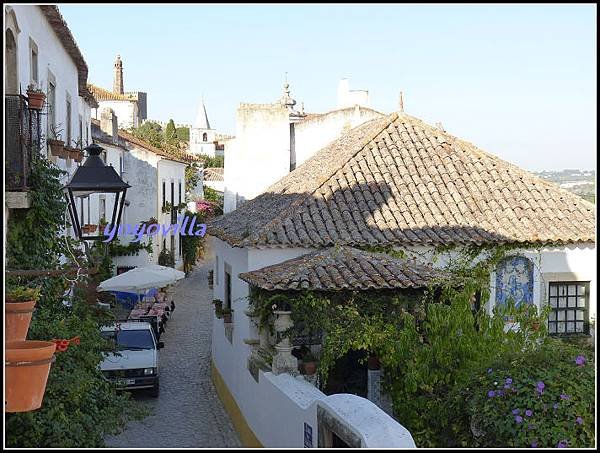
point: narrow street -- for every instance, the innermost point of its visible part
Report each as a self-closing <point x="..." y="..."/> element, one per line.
<point x="188" y="412"/>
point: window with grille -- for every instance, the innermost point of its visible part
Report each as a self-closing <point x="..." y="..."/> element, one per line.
<point x="569" y="303"/>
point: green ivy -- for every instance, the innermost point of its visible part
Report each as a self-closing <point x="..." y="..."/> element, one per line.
<point x="80" y="407"/>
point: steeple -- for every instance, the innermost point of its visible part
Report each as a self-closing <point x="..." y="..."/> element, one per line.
<point x="202" y="117"/>
<point x="118" y="76"/>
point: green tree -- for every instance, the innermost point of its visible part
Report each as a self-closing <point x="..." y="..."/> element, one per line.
<point x="171" y="132"/>
<point x="151" y="132"/>
<point x="183" y="134"/>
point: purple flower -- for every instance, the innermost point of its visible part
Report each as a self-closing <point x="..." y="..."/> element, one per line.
<point x="508" y="381"/>
<point x="534" y="444"/>
<point x="580" y="360"/>
<point x="562" y="444"/>
<point x="515" y="411"/>
<point x="579" y="421"/>
<point x="491" y="394"/>
<point x="499" y="393"/>
<point x="528" y="412"/>
<point x="489" y="370"/>
<point x="539" y="387"/>
<point x="564" y="396"/>
<point x="555" y="406"/>
<point x="518" y="419"/>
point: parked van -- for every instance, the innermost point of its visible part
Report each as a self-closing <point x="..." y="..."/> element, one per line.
<point x="136" y="365"/>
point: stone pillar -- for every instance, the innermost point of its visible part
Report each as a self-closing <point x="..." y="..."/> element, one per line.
<point x="374" y="386"/>
<point x="108" y="124"/>
<point x="283" y="360"/>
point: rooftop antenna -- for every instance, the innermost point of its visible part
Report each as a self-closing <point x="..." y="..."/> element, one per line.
<point x="401" y="102"/>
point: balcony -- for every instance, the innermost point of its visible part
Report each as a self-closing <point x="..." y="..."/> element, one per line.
<point x="22" y="137"/>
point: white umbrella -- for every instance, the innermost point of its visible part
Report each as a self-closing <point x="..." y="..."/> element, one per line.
<point x="142" y="278"/>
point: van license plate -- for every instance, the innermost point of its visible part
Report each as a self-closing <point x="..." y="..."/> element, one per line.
<point x="126" y="381"/>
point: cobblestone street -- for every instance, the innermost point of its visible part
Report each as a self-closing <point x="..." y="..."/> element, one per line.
<point x="188" y="412"/>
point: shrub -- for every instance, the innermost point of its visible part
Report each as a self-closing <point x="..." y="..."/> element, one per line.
<point x="543" y="398"/>
<point x="23" y="294"/>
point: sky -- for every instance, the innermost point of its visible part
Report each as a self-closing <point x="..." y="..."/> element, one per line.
<point x="517" y="81"/>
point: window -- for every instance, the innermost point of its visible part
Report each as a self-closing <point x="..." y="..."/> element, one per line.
<point x="33" y="51"/>
<point x="68" y="122"/>
<point x="120" y="165"/>
<point x="179" y="192"/>
<point x="173" y="209"/>
<point x="164" y="195"/>
<point x="205" y="137"/>
<point x="216" y="273"/>
<point x="51" y="103"/>
<point x="80" y="138"/>
<point x="227" y="289"/>
<point x="569" y="303"/>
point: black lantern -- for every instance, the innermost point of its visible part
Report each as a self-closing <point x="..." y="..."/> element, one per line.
<point x="94" y="176"/>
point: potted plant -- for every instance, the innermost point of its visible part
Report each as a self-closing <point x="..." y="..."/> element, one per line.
<point x="227" y="312"/>
<point x="56" y="144"/>
<point x="218" y="303"/>
<point x="309" y="364"/>
<point x="36" y="97"/>
<point x="18" y="310"/>
<point x="102" y="224"/>
<point x="89" y="228"/>
<point x="26" y="367"/>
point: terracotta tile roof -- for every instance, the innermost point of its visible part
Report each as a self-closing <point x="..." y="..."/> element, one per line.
<point x="399" y="181"/>
<point x="214" y="174"/>
<point x="342" y="268"/>
<point x="104" y="95"/>
<point x="59" y="25"/>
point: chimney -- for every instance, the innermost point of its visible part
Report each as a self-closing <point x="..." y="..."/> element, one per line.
<point x="108" y="124"/>
<point x="118" y="76"/>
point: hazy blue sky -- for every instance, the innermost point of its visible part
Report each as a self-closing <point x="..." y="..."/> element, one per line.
<point x="518" y="81"/>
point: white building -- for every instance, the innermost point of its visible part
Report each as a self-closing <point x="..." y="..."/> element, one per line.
<point x="272" y="139"/>
<point x="130" y="107"/>
<point x="155" y="178"/>
<point x="203" y="139"/>
<point x="393" y="181"/>
<point x="41" y="51"/>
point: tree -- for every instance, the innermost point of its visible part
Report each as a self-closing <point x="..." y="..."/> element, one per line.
<point x="170" y="132"/>
<point x="152" y="132"/>
<point x="183" y="134"/>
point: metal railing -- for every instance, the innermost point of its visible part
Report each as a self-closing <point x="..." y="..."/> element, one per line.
<point x="22" y="137"/>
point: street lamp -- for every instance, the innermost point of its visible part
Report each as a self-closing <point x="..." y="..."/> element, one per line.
<point x="94" y="176"/>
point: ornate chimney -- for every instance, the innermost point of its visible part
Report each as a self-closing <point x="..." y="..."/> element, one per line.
<point x="118" y="76"/>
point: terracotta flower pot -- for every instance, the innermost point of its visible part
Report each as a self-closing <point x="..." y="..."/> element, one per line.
<point x="17" y="316"/>
<point x="89" y="228"/>
<point x="310" y="368"/>
<point x="27" y="365"/>
<point x="227" y="318"/>
<point x="57" y="148"/>
<point x="36" y="100"/>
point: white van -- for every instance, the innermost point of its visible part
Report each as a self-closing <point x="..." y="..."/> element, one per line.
<point x="136" y="366"/>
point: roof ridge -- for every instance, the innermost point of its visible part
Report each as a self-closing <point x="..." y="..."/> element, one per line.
<point x="323" y="179"/>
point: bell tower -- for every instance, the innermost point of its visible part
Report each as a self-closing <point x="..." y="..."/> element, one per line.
<point x="118" y="76"/>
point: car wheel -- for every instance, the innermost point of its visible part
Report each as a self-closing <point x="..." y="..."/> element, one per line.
<point x="154" y="391"/>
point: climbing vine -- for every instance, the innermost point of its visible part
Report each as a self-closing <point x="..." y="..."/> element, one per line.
<point x="80" y="407"/>
<point x="428" y="341"/>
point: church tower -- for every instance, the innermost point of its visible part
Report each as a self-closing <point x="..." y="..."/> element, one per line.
<point x="118" y="76"/>
<point x="202" y="137"/>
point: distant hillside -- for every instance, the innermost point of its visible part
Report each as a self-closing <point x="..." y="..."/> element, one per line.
<point x="579" y="182"/>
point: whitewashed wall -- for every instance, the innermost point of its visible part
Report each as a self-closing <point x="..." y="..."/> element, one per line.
<point x="316" y="132"/>
<point x="126" y="112"/>
<point x="277" y="407"/>
<point x="260" y="153"/>
<point x="52" y="59"/>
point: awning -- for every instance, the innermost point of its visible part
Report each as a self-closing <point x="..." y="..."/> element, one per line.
<point x="142" y="278"/>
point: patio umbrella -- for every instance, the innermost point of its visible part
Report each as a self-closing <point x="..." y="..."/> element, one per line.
<point x="142" y="278"/>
